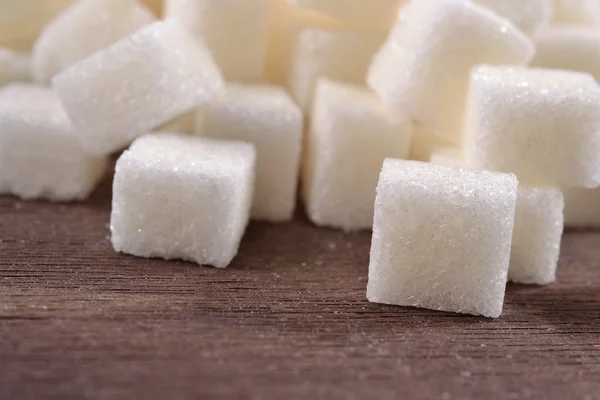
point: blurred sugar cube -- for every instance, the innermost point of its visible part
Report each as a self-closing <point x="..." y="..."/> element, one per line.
<point x="14" y="66"/>
<point x="378" y="14"/>
<point x="137" y="84"/>
<point x="236" y="32"/>
<point x="40" y="156"/>
<point x="351" y="133"/>
<point x="267" y="117"/>
<point x="424" y="66"/>
<point x="542" y="125"/>
<point x="530" y="15"/>
<point x="83" y="29"/>
<point x="340" y="55"/>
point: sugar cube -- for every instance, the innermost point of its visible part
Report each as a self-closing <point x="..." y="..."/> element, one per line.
<point x="182" y="197"/>
<point x="286" y="24"/>
<point x="236" y="31"/>
<point x="359" y="13"/>
<point x="341" y="55"/>
<point x="424" y="65"/>
<point x="137" y="84"/>
<point x="530" y="16"/>
<point x="448" y="156"/>
<point x="569" y="47"/>
<point x="576" y="12"/>
<point x="14" y="66"/>
<point x="267" y="117"/>
<point x="582" y="208"/>
<point x="542" y="125"/>
<point x="40" y="156"/>
<point x="22" y="20"/>
<point x="424" y="142"/>
<point x="537" y="235"/>
<point x="351" y="133"/>
<point x="83" y="29"/>
<point x="441" y="237"/>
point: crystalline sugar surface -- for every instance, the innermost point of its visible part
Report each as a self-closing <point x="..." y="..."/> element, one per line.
<point x="351" y="134"/>
<point x="574" y="48"/>
<point x="137" y="84"/>
<point x="267" y="117"/>
<point x="40" y="156"/>
<point x="182" y="197"/>
<point x="441" y="237"/>
<point x="424" y="65"/>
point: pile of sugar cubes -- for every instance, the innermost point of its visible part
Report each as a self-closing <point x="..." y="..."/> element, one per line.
<point x="464" y="133"/>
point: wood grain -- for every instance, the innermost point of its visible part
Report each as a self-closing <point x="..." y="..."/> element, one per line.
<point x="288" y="319"/>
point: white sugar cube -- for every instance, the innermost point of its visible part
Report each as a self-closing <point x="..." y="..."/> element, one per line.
<point x="14" y="66"/>
<point x="577" y="12"/>
<point x="351" y="133"/>
<point x="40" y="156"/>
<point x="341" y="55"/>
<point x="542" y="125"/>
<point x="182" y="197"/>
<point x="537" y="235"/>
<point x="530" y="15"/>
<point x="137" y="84"/>
<point x="286" y="24"/>
<point x="83" y="29"/>
<point x="359" y="13"/>
<point x="424" y="66"/>
<point x="424" y="142"/>
<point x="441" y="237"/>
<point x="267" y="117"/>
<point x="570" y="47"/>
<point x="236" y="31"/>
<point x="582" y="208"/>
<point x="22" y="20"/>
<point x="448" y="156"/>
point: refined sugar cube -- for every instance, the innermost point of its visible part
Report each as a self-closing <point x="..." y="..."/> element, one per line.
<point x="360" y="13"/>
<point x="448" y="156"/>
<point x="40" y="156"/>
<point x="267" y="117"/>
<point x="341" y="55"/>
<point x="530" y="15"/>
<point x="22" y="20"/>
<point x="14" y="66"/>
<point x="83" y="29"/>
<point x="286" y="24"/>
<point x="351" y="133"/>
<point x="182" y="197"/>
<point x="574" y="48"/>
<point x="582" y="207"/>
<point x="441" y="237"/>
<point x="576" y="12"/>
<point x="537" y="235"/>
<point x="236" y="31"/>
<point x="542" y="125"/>
<point x="424" y="142"/>
<point x="137" y="84"/>
<point x="424" y="65"/>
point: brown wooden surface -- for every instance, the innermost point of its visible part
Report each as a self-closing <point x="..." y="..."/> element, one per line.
<point x="288" y="319"/>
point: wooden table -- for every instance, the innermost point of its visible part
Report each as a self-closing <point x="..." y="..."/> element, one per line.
<point x="288" y="319"/>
